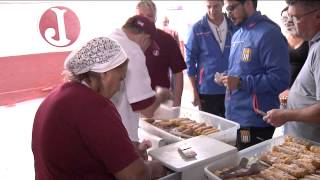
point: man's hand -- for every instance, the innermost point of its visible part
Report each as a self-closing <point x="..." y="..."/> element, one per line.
<point x="157" y="170"/>
<point x="218" y="78"/>
<point x="142" y="148"/>
<point x="231" y="82"/>
<point x="275" y="117"/>
<point x="196" y="100"/>
<point x="163" y="94"/>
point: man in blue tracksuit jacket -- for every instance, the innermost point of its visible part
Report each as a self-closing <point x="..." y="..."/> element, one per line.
<point x="258" y="71"/>
<point x="207" y="52"/>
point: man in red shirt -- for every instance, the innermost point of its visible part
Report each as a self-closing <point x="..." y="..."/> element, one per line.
<point x="167" y="57"/>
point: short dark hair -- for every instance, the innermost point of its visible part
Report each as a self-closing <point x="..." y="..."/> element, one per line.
<point x="284" y="10"/>
<point x="139" y="24"/>
<point x="255" y="3"/>
<point x="306" y="3"/>
<point x="133" y="28"/>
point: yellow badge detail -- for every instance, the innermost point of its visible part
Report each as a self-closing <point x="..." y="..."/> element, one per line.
<point x="246" y="54"/>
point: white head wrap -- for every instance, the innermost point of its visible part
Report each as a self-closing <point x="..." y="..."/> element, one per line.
<point x="98" y="55"/>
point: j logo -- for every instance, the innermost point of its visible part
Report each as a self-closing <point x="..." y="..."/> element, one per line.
<point x="59" y="26"/>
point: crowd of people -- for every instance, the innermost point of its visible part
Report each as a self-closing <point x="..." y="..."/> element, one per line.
<point x="240" y="65"/>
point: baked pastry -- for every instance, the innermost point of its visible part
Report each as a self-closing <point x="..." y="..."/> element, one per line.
<point x="298" y="141"/>
<point x="305" y="164"/>
<point x="291" y="169"/>
<point x="284" y="150"/>
<point x="275" y="157"/>
<point x="149" y="120"/>
<point x="274" y="173"/>
<point x="295" y="145"/>
<point x="315" y="149"/>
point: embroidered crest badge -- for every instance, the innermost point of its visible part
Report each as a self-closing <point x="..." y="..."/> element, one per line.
<point x="155" y="52"/>
<point x="246" y="54"/>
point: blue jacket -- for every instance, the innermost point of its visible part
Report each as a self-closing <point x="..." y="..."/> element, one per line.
<point x="259" y="56"/>
<point x="204" y="57"/>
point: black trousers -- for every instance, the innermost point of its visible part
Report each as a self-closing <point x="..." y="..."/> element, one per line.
<point x="247" y="137"/>
<point x="213" y="104"/>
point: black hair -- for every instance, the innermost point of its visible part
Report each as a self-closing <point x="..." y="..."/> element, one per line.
<point x="284" y="10"/>
<point x="132" y="28"/>
<point x="306" y="3"/>
<point x="255" y="3"/>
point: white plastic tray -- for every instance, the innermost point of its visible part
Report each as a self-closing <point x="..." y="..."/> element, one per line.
<point x="251" y="152"/>
<point x="173" y="176"/>
<point x="207" y="150"/>
<point x="227" y="133"/>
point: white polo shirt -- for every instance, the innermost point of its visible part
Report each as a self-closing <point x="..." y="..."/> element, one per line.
<point x="220" y="32"/>
<point x="136" y="87"/>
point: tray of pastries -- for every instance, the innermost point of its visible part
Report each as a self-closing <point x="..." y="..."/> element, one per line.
<point x="176" y="124"/>
<point x="183" y="127"/>
<point x="283" y="158"/>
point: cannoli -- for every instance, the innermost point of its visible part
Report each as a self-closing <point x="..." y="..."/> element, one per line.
<point x="295" y="145"/>
<point x="198" y="125"/>
<point x="181" y="128"/>
<point x="311" y="177"/>
<point x="284" y="150"/>
<point x="315" y="149"/>
<point x="268" y="174"/>
<point x="187" y="131"/>
<point x="163" y="123"/>
<point x="210" y="132"/>
<point x="200" y="129"/>
<point x="291" y="169"/>
<point x="149" y="120"/>
<point x="277" y="174"/>
<point x="315" y="161"/>
<point x="298" y="141"/>
<point x="305" y="164"/>
<point x="275" y="157"/>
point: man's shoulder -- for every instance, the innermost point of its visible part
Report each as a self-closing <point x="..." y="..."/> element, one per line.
<point x="161" y="33"/>
<point x="200" y="23"/>
<point x="127" y="44"/>
<point x="163" y="37"/>
<point x="263" y="29"/>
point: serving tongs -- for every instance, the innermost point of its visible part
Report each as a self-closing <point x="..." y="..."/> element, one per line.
<point x="180" y="134"/>
<point x="242" y="169"/>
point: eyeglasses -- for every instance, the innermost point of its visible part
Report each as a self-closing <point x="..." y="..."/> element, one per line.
<point x="231" y="8"/>
<point x="297" y="19"/>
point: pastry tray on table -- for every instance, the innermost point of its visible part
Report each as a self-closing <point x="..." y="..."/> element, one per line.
<point x="227" y="129"/>
<point x="252" y="154"/>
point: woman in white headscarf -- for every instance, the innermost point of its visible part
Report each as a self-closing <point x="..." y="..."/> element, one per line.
<point x="77" y="131"/>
